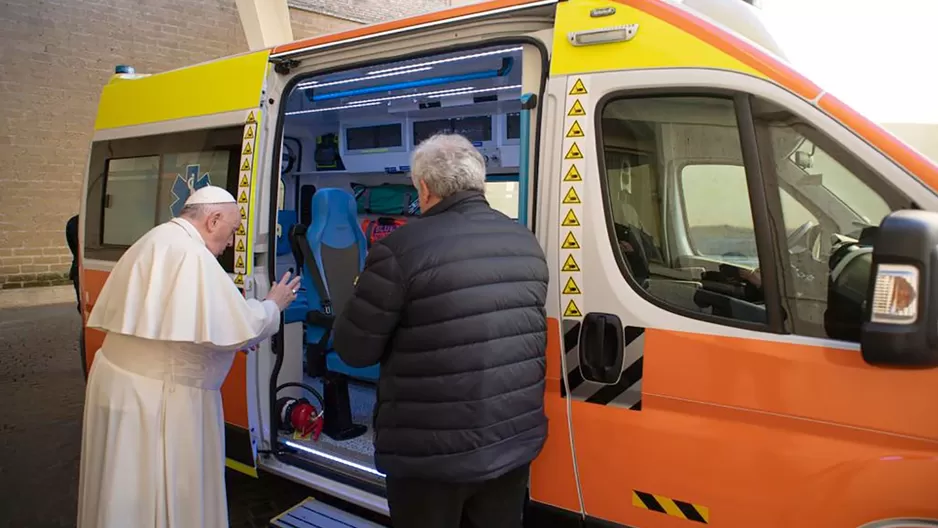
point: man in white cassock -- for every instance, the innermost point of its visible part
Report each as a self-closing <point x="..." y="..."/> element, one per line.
<point x="152" y="451"/>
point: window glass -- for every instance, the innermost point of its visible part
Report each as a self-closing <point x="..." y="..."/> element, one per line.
<point x="503" y="196"/>
<point x="202" y="168"/>
<point x="513" y="125"/>
<point x="679" y="204"/>
<point x="129" y="209"/>
<point x="475" y="128"/>
<point x="373" y="137"/>
<point x="727" y="233"/>
<point x="137" y="183"/>
<point x="425" y="129"/>
<point x="828" y="198"/>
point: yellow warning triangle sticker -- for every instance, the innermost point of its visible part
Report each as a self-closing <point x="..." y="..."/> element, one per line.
<point x="240" y="246"/>
<point x="570" y="242"/>
<point x="240" y="263"/>
<point x="571" y="197"/>
<point x="243" y="214"/>
<point x="241" y="230"/>
<point x="246" y="165"/>
<point x="247" y="149"/>
<point x="251" y="119"/>
<point x="573" y="175"/>
<point x="574" y="152"/>
<point x="570" y="265"/>
<point x="578" y="88"/>
<point x="572" y="310"/>
<point x="575" y="130"/>
<point x="577" y="109"/>
<point x="249" y="132"/>
<point x="570" y="220"/>
<point x="244" y="181"/>
<point x="243" y="198"/>
<point x="239" y="279"/>
<point x="571" y="288"/>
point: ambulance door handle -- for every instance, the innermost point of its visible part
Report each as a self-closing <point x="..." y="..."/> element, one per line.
<point x="602" y="348"/>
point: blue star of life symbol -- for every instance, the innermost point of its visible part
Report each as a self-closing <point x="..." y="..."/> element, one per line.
<point x="186" y="185"/>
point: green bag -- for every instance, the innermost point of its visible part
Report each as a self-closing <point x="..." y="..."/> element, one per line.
<point x="386" y="199"/>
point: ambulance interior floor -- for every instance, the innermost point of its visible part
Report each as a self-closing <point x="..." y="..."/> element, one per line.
<point x="359" y="450"/>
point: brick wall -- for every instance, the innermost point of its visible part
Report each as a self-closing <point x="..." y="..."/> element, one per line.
<point x="309" y="24"/>
<point x="370" y="11"/>
<point x="55" y="57"/>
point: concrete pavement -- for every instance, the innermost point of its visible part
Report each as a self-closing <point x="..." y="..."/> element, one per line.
<point x="41" y="399"/>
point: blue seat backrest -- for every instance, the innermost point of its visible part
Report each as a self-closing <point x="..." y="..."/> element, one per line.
<point x="286" y="219"/>
<point x="338" y="247"/>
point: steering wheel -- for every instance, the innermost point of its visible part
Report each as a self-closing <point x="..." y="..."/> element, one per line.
<point x="804" y="239"/>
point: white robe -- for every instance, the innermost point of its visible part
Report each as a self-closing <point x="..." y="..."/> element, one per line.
<point x="152" y="452"/>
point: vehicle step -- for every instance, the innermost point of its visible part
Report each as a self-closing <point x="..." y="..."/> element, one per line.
<point x="314" y="514"/>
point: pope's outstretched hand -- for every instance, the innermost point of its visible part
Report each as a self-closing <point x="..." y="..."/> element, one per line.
<point x="284" y="292"/>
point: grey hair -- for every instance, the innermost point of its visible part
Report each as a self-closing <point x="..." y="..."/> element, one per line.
<point x="199" y="211"/>
<point x="448" y="164"/>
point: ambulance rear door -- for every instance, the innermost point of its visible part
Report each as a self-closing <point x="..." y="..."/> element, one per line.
<point x="153" y="134"/>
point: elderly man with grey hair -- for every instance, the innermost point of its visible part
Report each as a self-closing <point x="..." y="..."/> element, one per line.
<point x="452" y="307"/>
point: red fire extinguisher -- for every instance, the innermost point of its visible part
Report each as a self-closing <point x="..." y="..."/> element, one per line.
<point x="299" y="415"/>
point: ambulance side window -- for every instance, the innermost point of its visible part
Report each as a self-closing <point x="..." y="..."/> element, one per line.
<point x="138" y="183"/>
<point x="677" y="203"/>
<point x="822" y="200"/>
<point x="129" y="207"/>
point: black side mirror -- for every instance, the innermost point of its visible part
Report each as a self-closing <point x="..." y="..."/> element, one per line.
<point x="901" y="318"/>
<point x="602" y="348"/>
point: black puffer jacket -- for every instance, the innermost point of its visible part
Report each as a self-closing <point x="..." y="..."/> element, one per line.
<point x="452" y="306"/>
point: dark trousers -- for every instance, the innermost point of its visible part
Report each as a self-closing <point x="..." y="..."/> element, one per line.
<point x="497" y="503"/>
<point x="77" y="293"/>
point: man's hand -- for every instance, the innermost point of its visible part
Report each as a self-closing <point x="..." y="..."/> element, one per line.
<point x="754" y="277"/>
<point x="284" y="292"/>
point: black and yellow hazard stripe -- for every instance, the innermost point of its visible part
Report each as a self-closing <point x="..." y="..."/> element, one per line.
<point x="625" y="393"/>
<point x="239" y="450"/>
<point x="571" y="337"/>
<point x="672" y="507"/>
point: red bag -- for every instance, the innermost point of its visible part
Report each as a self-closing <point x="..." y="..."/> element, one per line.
<point x="375" y="230"/>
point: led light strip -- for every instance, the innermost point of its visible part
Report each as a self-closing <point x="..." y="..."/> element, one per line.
<point x="314" y="110"/>
<point x="317" y="84"/>
<point x="449" y="60"/>
<point x="334" y="458"/>
<point x="436" y="94"/>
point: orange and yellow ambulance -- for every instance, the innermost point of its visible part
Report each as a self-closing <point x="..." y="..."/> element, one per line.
<point x="743" y="318"/>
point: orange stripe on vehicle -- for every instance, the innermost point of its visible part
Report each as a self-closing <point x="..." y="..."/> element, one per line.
<point x="428" y="18"/>
<point x="552" y="478"/>
<point x="830" y="385"/>
<point x="908" y="158"/>
<point x="234" y="393"/>
<point x="730" y="44"/>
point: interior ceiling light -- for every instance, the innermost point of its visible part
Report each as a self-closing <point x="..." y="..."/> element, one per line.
<point x="445" y="61"/>
<point x="433" y="95"/>
<point x="317" y="84"/>
<point x="314" y="110"/>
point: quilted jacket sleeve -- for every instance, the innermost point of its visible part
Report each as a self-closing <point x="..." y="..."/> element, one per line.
<point x="370" y="317"/>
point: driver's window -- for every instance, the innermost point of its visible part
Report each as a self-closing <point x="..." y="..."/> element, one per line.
<point x="726" y="233"/>
<point x="827" y="198"/>
<point x="679" y="207"/>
